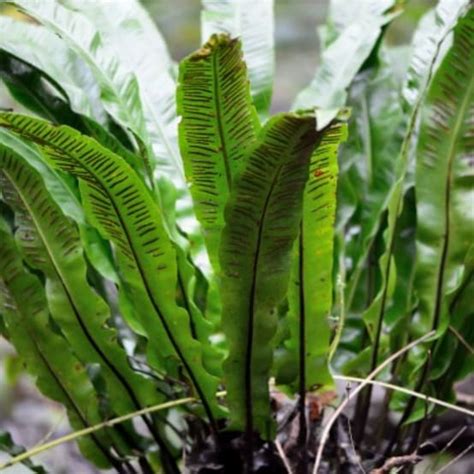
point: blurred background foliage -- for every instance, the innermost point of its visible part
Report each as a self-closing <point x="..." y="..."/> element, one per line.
<point x="296" y="34"/>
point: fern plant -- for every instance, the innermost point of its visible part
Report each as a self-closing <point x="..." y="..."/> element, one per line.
<point x="163" y="237"/>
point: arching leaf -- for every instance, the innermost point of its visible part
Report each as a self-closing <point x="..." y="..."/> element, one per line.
<point x="130" y="31"/>
<point x="127" y="88"/>
<point x="422" y="65"/>
<point x="252" y="22"/>
<point x="46" y="52"/>
<point x="118" y="86"/>
<point x="262" y="220"/>
<point x="139" y="94"/>
<point x="120" y="206"/>
<point x="444" y="163"/>
<point x="218" y="124"/>
<point x="59" y="374"/>
<point x="51" y="244"/>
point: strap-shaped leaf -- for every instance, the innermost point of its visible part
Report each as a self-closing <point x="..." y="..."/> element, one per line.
<point x="129" y="31"/>
<point x="118" y="86"/>
<point x="310" y="291"/>
<point x="343" y="58"/>
<point x="262" y="221"/>
<point x="218" y="123"/>
<point x="141" y="105"/>
<point x="51" y="244"/>
<point x="253" y="22"/>
<point x="376" y="134"/>
<point x="60" y="375"/>
<point x="422" y="65"/>
<point x="423" y="71"/>
<point x="46" y="52"/>
<point x="120" y="206"/>
<point x="433" y="29"/>
<point x="138" y="93"/>
<point x="63" y="191"/>
<point x="445" y="217"/>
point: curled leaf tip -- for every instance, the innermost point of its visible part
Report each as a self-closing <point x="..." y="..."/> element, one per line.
<point x="214" y="42"/>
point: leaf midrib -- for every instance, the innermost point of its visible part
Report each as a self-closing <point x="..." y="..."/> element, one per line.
<point x="63" y="281"/>
<point x="251" y="309"/>
<point x="93" y="64"/>
<point x="64" y="390"/>
<point x="447" y="199"/>
<point x="149" y="293"/>
<point x="155" y="304"/>
<point x="253" y="288"/>
<point x="220" y="128"/>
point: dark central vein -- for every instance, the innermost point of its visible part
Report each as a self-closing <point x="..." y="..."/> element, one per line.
<point x="220" y="129"/>
<point x="447" y="202"/>
<point x="95" y="346"/>
<point x="251" y="310"/>
<point x="150" y="293"/>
